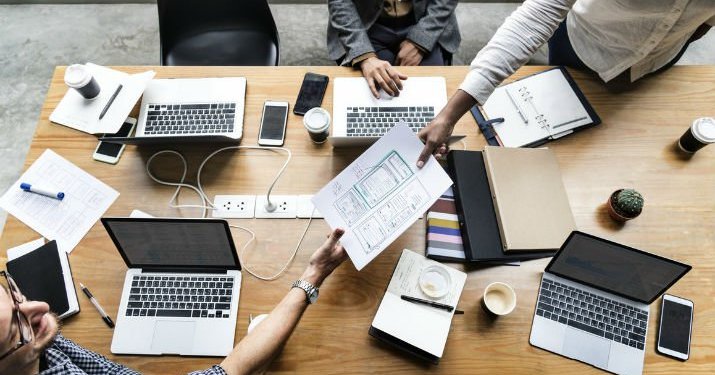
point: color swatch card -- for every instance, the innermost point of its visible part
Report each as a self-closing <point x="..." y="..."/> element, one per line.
<point x="444" y="239"/>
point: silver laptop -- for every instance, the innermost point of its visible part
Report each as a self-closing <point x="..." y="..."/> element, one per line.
<point x="593" y="303"/>
<point x="190" y="110"/>
<point x="181" y="291"/>
<point x="360" y="119"/>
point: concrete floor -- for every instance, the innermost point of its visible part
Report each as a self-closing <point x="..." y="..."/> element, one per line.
<point x="36" y="38"/>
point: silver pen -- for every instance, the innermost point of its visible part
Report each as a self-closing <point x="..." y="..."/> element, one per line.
<point x="518" y="109"/>
<point x="97" y="306"/>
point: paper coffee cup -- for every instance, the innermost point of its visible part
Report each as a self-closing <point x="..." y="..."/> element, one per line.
<point x="700" y="134"/>
<point x="78" y="77"/>
<point x="317" y="123"/>
<point x="499" y="299"/>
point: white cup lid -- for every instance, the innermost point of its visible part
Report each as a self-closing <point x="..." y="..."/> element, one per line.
<point x="316" y="119"/>
<point x="704" y="129"/>
<point x="77" y="75"/>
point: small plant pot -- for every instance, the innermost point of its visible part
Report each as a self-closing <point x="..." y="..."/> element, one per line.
<point x="613" y="212"/>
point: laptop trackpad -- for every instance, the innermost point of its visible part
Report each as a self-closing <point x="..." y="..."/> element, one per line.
<point x="173" y="337"/>
<point x="586" y="347"/>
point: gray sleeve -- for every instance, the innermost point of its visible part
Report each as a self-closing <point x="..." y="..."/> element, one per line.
<point x="517" y="39"/>
<point x="429" y="28"/>
<point x="344" y="18"/>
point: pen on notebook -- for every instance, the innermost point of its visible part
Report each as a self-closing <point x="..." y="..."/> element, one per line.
<point x="111" y="100"/>
<point x="97" y="306"/>
<point x="428" y="303"/>
<point x="42" y="191"/>
<point x="518" y="109"/>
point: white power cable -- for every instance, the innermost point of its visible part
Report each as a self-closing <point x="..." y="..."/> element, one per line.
<point x="206" y="203"/>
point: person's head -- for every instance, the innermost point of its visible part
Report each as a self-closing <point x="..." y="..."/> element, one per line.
<point x="26" y="328"/>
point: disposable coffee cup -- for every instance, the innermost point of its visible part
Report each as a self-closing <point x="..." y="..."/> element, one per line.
<point x="498" y="299"/>
<point x="700" y="134"/>
<point x="317" y="123"/>
<point x="78" y="77"/>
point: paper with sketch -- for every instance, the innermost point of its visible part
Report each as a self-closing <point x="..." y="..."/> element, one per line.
<point x="419" y="325"/>
<point x="76" y="112"/>
<point x="68" y="220"/>
<point x="381" y="194"/>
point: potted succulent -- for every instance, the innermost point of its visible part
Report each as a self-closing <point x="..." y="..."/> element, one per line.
<point x="625" y="204"/>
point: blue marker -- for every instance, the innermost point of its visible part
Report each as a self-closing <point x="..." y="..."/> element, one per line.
<point x="38" y="190"/>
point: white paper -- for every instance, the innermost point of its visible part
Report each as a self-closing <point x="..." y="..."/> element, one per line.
<point x="422" y="326"/>
<point x="67" y="221"/>
<point x="545" y="100"/>
<point x="78" y="113"/>
<point x="381" y="194"/>
<point x="26" y="248"/>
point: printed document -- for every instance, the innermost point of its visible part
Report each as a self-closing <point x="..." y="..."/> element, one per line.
<point x="381" y="194"/>
<point x="67" y="221"/>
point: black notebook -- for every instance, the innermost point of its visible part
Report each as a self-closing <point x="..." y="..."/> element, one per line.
<point x="42" y="275"/>
<point x="534" y="110"/>
<point x="475" y="209"/>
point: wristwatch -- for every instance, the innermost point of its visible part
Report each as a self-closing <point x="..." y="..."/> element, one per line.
<point x="311" y="292"/>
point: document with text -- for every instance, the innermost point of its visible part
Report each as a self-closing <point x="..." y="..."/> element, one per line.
<point x="381" y="194"/>
<point x="68" y="220"/>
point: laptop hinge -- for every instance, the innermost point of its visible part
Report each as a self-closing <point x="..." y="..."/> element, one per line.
<point x="184" y="270"/>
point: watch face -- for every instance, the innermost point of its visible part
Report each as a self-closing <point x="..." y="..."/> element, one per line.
<point x="313" y="296"/>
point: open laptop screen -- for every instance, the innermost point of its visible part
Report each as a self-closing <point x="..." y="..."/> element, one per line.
<point x="615" y="268"/>
<point x="175" y="243"/>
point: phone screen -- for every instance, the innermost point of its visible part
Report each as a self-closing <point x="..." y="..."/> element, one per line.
<point x="311" y="93"/>
<point x="113" y="149"/>
<point x="273" y="124"/>
<point x="675" y="326"/>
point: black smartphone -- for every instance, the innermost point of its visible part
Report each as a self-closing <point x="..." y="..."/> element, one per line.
<point x="676" y="326"/>
<point x="109" y="152"/>
<point x="311" y="93"/>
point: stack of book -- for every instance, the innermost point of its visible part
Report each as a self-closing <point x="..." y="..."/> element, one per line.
<point x="510" y="204"/>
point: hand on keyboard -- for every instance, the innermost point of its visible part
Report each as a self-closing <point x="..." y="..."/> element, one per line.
<point x="380" y="74"/>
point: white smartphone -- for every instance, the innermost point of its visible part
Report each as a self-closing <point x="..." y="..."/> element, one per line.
<point x="676" y="326"/>
<point x="110" y="152"/>
<point x="273" y="123"/>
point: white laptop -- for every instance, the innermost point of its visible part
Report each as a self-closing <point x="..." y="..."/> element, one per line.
<point x="360" y="119"/>
<point x="593" y="303"/>
<point x="181" y="291"/>
<point x="190" y="110"/>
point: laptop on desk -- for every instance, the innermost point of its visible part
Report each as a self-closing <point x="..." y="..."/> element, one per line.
<point x="181" y="291"/>
<point x="190" y="110"/>
<point x="360" y="119"/>
<point x="593" y="303"/>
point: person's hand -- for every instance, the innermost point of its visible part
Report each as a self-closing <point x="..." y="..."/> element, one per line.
<point x="409" y="54"/>
<point x="434" y="136"/>
<point x="326" y="259"/>
<point x="380" y="74"/>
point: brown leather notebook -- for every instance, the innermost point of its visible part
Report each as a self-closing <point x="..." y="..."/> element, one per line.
<point x="530" y="201"/>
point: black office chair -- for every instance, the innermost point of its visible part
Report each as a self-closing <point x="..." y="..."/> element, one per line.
<point x="217" y="32"/>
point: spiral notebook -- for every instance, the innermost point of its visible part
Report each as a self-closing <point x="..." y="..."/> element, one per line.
<point x="535" y="109"/>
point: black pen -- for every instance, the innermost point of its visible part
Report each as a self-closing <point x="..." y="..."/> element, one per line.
<point x="428" y="303"/>
<point x="111" y="100"/>
<point x="97" y="306"/>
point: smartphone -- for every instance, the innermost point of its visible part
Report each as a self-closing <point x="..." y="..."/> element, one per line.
<point x="273" y="123"/>
<point x="676" y="326"/>
<point x="311" y="93"/>
<point x="110" y="152"/>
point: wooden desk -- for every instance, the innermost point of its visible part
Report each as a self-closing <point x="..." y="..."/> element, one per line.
<point x="632" y="148"/>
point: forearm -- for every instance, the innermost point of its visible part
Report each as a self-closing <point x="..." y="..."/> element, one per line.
<point x="255" y="351"/>
<point x="429" y="28"/>
<point x="516" y="40"/>
<point x="456" y="107"/>
<point x="345" y="20"/>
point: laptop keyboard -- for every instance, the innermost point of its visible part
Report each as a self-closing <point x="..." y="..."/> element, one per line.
<point x="199" y="118"/>
<point x="181" y="296"/>
<point x="376" y="121"/>
<point x="592" y="313"/>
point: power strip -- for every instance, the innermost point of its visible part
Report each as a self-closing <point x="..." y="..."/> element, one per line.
<point x="252" y="206"/>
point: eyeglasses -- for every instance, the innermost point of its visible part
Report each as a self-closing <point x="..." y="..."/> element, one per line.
<point x="19" y="319"/>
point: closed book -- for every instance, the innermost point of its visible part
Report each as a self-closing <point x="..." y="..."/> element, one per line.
<point x="475" y="209"/>
<point x="42" y="275"/>
<point x="530" y="201"/>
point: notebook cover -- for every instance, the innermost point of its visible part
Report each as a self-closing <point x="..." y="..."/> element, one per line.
<point x="40" y="278"/>
<point x="444" y="239"/>
<point x="530" y="201"/>
<point x="478" y="222"/>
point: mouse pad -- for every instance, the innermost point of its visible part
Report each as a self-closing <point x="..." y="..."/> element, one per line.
<point x="171" y="337"/>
